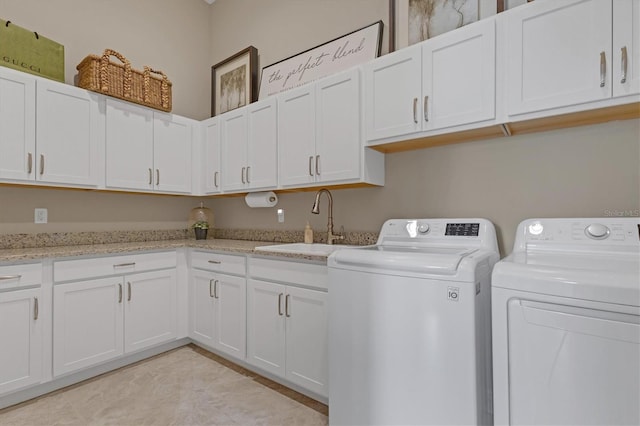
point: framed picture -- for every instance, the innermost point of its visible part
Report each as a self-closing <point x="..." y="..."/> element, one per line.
<point x="234" y="81"/>
<point x="333" y="56"/>
<point x="419" y="20"/>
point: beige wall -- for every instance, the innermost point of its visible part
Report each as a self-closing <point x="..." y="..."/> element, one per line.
<point x="171" y="35"/>
<point x="574" y="172"/>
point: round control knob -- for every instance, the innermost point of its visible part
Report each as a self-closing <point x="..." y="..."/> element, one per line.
<point x="423" y="228"/>
<point x="597" y="231"/>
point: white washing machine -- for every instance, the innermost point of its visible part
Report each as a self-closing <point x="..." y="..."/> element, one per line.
<point x="566" y="324"/>
<point x="410" y="325"/>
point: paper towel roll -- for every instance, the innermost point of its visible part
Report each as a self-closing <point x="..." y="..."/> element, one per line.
<point x="261" y="199"/>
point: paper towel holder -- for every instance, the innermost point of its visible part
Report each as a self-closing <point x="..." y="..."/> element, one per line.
<point x="261" y="199"/>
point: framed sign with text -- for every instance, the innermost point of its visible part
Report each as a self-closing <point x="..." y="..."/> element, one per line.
<point x="336" y="55"/>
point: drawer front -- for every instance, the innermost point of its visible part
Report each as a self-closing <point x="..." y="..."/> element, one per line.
<point x="17" y="276"/>
<point x="306" y="274"/>
<point x="227" y="263"/>
<point x="68" y="270"/>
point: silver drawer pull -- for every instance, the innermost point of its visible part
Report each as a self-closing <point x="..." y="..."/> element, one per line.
<point x="426" y="108"/>
<point x="41" y="164"/>
<point x="10" y="277"/>
<point x="215" y="179"/>
<point x="242" y="174"/>
<point x="415" y="110"/>
<point x="280" y="304"/>
<point x="624" y="64"/>
<point x="119" y="293"/>
<point x="36" y="309"/>
<point x="122" y="265"/>
<point x="215" y="262"/>
<point x="247" y="174"/>
<point x="157" y="177"/>
<point x="310" y="165"/>
<point x="318" y="165"/>
<point x="215" y="289"/>
<point x="29" y="163"/>
<point x="129" y="288"/>
<point x="286" y="305"/>
<point x="150" y="177"/>
<point x="211" y="288"/>
<point x="603" y="68"/>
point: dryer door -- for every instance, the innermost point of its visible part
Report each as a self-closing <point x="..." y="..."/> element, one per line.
<point x="572" y="365"/>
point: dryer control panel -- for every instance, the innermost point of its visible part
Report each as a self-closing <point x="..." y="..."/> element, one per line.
<point x="581" y="231"/>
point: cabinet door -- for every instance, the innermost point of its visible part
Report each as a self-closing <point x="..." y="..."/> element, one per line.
<point x="558" y="54"/>
<point x="459" y="77"/>
<point x="262" y="164"/>
<point x="68" y="134"/>
<point x="307" y="340"/>
<point x="233" y="128"/>
<point x="150" y="309"/>
<point x="338" y="143"/>
<point x="297" y="136"/>
<point x="266" y="326"/>
<point x="17" y="124"/>
<point x="211" y="163"/>
<point x="87" y="323"/>
<point x="21" y="337"/>
<point x="392" y="94"/>
<point x="172" y="153"/>
<point x="203" y="319"/>
<point x="129" y="146"/>
<point x="231" y="319"/>
<point x="626" y="41"/>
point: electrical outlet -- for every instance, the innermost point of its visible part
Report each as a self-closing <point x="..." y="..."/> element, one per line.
<point x="280" y="215"/>
<point x="41" y="216"/>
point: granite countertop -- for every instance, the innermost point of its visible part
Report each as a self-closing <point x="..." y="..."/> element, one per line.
<point x="234" y="246"/>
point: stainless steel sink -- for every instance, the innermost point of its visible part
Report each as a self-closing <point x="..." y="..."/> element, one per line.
<point x="316" y="249"/>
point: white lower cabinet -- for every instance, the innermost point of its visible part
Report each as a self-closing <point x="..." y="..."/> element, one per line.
<point x="287" y="324"/>
<point x="21" y="337"/>
<point x="218" y="302"/>
<point x="100" y="319"/>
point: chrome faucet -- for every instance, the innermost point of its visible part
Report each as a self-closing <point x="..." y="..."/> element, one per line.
<point x="331" y="237"/>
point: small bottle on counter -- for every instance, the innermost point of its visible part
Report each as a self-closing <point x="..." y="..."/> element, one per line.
<point x="308" y="234"/>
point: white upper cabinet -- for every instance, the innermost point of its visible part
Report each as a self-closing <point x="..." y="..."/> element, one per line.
<point x="68" y="133"/>
<point x="626" y="47"/>
<point x="211" y="161"/>
<point x="459" y="77"/>
<point x="18" y="125"/>
<point x="446" y="81"/>
<point x="570" y="53"/>
<point x="320" y="137"/>
<point x="172" y="144"/>
<point x="249" y="147"/>
<point x="147" y="150"/>
<point x="52" y="141"/>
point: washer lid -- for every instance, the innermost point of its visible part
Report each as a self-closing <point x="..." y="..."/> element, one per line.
<point x="610" y="277"/>
<point x="426" y="260"/>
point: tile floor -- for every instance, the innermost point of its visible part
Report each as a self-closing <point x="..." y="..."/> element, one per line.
<point x="185" y="386"/>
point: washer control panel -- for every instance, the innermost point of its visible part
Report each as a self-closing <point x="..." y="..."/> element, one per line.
<point x="617" y="231"/>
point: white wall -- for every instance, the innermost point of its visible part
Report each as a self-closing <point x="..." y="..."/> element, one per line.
<point x="573" y="172"/>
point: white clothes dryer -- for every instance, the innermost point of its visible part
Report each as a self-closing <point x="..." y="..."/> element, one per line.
<point x="566" y="324"/>
<point x="409" y="325"/>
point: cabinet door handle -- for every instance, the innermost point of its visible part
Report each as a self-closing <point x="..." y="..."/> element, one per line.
<point x="10" y="277"/>
<point x="624" y="64"/>
<point x="242" y="174"/>
<point x="247" y="173"/>
<point x="129" y="288"/>
<point x="41" y="164"/>
<point x="286" y="305"/>
<point x="310" y="162"/>
<point x="215" y="262"/>
<point x="415" y="110"/>
<point x="426" y="108"/>
<point x="29" y="163"/>
<point x="280" y="304"/>
<point x="157" y="177"/>
<point x="215" y="179"/>
<point x="122" y="265"/>
<point x="150" y="177"/>
<point x="318" y="165"/>
<point x="119" y="293"/>
<point x="215" y="289"/>
<point x="35" y="308"/>
<point x="603" y="68"/>
<point x="211" y="288"/>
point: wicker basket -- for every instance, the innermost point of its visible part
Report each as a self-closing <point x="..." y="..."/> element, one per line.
<point x="99" y="74"/>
